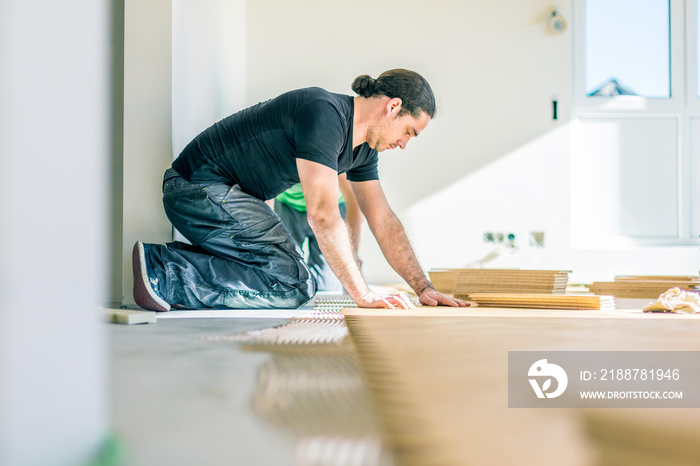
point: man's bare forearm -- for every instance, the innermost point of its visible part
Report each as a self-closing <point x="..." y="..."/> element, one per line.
<point x="334" y="241"/>
<point x="398" y="251"/>
<point x="353" y="215"/>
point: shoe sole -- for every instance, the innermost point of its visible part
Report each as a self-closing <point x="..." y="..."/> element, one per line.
<point x="144" y="295"/>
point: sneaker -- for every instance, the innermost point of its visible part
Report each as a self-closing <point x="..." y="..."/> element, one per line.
<point x="144" y="293"/>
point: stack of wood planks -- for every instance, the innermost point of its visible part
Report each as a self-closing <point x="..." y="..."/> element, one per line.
<point x="466" y="281"/>
<point x="516" y="288"/>
<point x="543" y="301"/>
<point x="444" y="279"/>
<point x="644" y="286"/>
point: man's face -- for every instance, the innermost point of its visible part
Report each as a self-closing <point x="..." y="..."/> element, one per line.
<point x="391" y="131"/>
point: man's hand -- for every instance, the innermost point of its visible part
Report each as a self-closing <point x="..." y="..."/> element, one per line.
<point x="376" y="300"/>
<point x="430" y="297"/>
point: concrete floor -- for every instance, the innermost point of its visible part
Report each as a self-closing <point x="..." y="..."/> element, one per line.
<point x="178" y="399"/>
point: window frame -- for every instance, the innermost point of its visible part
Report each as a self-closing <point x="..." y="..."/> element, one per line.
<point x="683" y="104"/>
<point x="632" y="104"/>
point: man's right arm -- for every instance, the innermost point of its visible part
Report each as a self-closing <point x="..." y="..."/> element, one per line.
<point x="320" y="186"/>
<point x="353" y="216"/>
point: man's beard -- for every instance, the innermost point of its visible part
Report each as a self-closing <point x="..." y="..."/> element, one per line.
<point x="375" y="138"/>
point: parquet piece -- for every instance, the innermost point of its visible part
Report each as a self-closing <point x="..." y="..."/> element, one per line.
<point x="443" y="280"/>
<point x="644" y="286"/>
<point x="130" y="317"/>
<point x="543" y="301"/>
<point x="523" y="281"/>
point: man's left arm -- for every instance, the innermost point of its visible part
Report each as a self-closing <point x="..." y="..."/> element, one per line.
<point x="394" y="243"/>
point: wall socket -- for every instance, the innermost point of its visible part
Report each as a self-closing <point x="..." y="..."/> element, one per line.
<point x="499" y="238"/>
<point x="537" y="239"/>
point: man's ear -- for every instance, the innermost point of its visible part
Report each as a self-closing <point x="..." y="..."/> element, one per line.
<point x="393" y="107"/>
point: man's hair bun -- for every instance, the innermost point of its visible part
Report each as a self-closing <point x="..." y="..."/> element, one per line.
<point x="364" y="85"/>
<point x="413" y="90"/>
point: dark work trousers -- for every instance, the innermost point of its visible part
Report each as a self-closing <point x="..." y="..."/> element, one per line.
<point x="241" y="254"/>
<point x="298" y="225"/>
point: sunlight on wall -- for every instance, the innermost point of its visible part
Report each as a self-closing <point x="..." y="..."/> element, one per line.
<point x="534" y="188"/>
<point x="589" y="223"/>
<point x="517" y="193"/>
<point x="624" y="178"/>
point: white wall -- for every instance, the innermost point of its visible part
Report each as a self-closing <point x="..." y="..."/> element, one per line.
<point x="54" y="153"/>
<point x="208" y="68"/>
<point x="147" y="126"/>
<point x="493" y="159"/>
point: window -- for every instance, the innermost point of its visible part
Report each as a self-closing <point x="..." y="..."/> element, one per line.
<point x="627" y="48"/>
<point x="636" y="123"/>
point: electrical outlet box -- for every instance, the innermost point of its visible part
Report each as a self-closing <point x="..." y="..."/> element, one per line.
<point x="537" y="239"/>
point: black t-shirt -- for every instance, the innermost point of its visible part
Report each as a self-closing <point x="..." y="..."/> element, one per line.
<point x="257" y="148"/>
